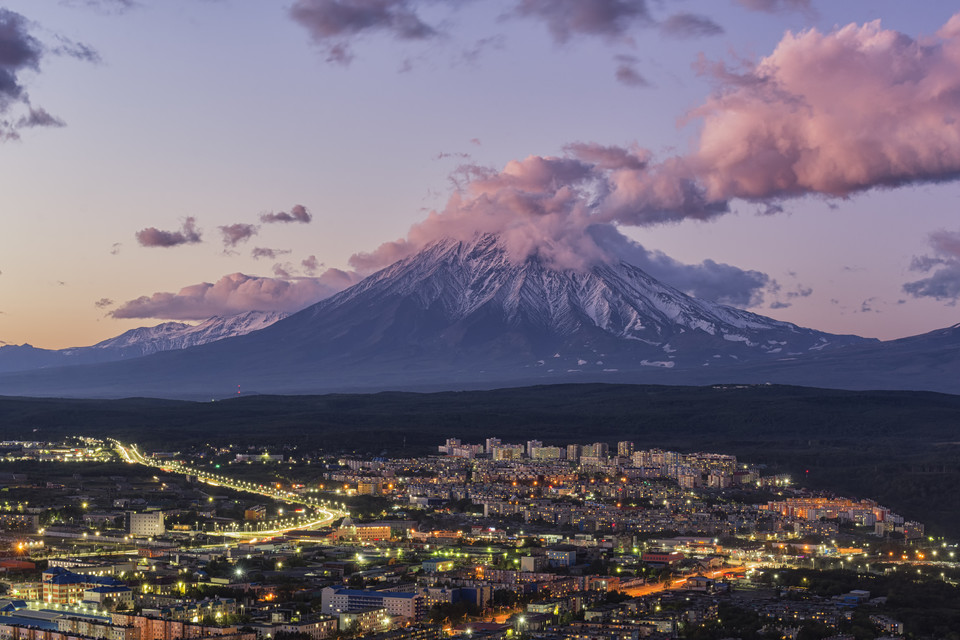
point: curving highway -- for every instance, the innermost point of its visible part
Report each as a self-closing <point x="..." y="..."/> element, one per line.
<point x="320" y="515"/>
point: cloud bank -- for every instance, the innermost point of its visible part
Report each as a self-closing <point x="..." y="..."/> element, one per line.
<point x="836" y="113"/>
<point x="236" y="293"/>
<point x="826" y="114"/>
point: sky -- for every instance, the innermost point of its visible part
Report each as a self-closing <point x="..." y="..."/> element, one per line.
<point x="180" y="159"/>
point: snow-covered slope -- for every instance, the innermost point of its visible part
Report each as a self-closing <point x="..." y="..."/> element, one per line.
<point x="177" y="335"/>
<point x="466" y="283"/>
<point x="138" y="342"/>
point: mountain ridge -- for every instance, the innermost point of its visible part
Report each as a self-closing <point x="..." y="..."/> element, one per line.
<point x="138" y="342"/>
<point x="464" y="315"/>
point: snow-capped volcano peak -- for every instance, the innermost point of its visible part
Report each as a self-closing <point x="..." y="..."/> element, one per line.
<point x="461" y="279"/>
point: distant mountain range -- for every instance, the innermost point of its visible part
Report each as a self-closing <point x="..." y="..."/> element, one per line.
<point x="139" y="342"/>
<point x="463" y="315"/>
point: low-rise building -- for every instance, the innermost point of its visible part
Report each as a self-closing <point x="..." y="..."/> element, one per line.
<point x="336" y="600"/>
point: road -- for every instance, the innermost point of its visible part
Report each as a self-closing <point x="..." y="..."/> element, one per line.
<point x="642" y="590"/>
<point x="320" y="515"/>
<point x="679" y="583"/>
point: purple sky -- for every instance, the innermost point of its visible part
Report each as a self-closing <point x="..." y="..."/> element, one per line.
<point x="187" y="158"/>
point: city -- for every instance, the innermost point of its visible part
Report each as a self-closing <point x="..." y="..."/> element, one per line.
<point x="493" y="540"/>
<point x="479" y="320"/>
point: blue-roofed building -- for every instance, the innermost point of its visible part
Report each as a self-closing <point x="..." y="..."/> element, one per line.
<point x="61" y="586"/>
<point x="7" y="607"/>
<point x="21" y="621"/>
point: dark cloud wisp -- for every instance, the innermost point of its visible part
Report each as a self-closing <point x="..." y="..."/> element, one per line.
<point x="604" y="18"/>
<point x="627" y="72"/>
<point x="297" y="213"/>
<point x="234" y="234"/>
<point x="310" y="265"/>
<point x="38" y="117"/>
<point x="265" y="252"/>
<point x="187" y="234"/>
<point x="102" y="5"/>
<point x="708" y="280"/>
<point x="333" y="23"/>
<point x="690" y="25"/>
<point x="21" y="51"/>
<point x="336" y="25"/>
<point x="774" y="6"/>
<point x="943" y="265"/>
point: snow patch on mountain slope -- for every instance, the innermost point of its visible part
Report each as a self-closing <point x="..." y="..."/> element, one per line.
<point x="178" y="335"/>
<point x="137" y="342"/>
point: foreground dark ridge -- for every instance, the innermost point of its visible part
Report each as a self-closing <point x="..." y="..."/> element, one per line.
<point x="653" y="414"/>
<point x="897" y="447"/>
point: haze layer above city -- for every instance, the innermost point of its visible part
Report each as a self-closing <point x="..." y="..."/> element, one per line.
<point x="180" y="160"/>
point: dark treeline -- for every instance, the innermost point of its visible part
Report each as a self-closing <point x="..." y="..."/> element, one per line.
<point x="898" y="447"/>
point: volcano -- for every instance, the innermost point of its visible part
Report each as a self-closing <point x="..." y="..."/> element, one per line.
<point x="458" y="315"/>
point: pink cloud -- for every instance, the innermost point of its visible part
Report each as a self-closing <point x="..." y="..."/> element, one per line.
<point x="236" y="293"/>
<point x="828" y="114"/>
<point x="834" y="113"/>
<point x="536" y="205"/>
